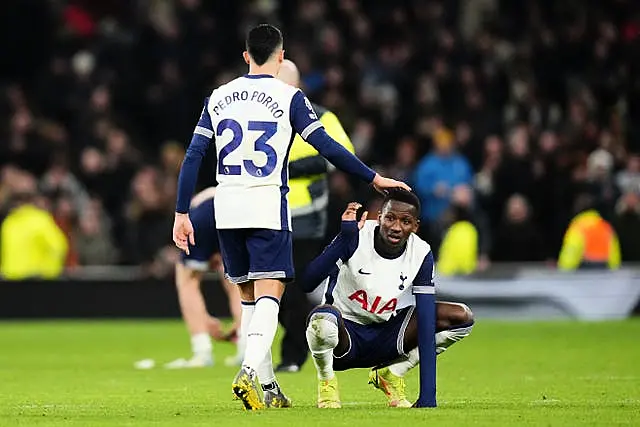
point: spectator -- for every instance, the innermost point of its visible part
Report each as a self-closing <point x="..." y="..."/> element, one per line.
<point x="93" y="239"/>
<point x="516" y="173"/>
<point x="148" y="216"/>
<point x="590" y="241"/>
<point x="600" y="180"/>
<point x="406" y="156"/>
<point x="31" y="244"/>
<point x="458" y="253"/>
<point x="628" y="180"/>
<point x="59" y="180"/>
<point x="463" y="200"/>
<point x="517" y="238"/>
<point x="437" y="174"/>
<point x="485" y="180"/>
<point x="627" y="226"/>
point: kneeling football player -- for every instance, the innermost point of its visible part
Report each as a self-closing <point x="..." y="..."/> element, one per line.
<point x="369" y="319"/>
<point x="189" y="273"/>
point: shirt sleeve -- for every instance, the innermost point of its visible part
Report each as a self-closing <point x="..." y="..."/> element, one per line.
<point x="337" y="252"/>
<point x="423" y="282"/>
<point x="303" y="117"/>
<point x="305" y="122"/>
<point x="202" y="135"/>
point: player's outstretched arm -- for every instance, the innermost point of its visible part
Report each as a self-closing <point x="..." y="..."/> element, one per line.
<point x="424" y="291"/>
<point x="305" y="122"/>
<point x="340" y="249"/>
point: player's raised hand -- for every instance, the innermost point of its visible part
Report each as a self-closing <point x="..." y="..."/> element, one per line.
<point x="183" y="232"/>
<point x="351" y="211"/>
<point x="381" y="184"/>
<point x="351" y="214"/>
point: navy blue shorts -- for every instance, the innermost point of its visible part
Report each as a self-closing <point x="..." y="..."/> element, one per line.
<point x="375" y="344"/>
<point x="256" y="253"/>
<point x="204" y="229"/>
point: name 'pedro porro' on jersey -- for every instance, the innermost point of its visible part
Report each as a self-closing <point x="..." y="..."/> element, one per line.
<point x="251" y="118"/>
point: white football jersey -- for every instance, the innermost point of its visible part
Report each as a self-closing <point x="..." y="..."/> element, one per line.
<point x="253" y="121"/>
<point x="370" y="288"/>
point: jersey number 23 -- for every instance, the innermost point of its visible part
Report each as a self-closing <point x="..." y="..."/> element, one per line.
<point x="266" y="131"/>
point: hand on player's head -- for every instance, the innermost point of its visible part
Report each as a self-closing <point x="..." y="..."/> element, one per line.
<point x="382" y="184"/>
<point x="183" y="232"/>
<point x="351" y="214"/>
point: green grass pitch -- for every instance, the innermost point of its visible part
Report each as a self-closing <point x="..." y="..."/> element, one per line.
<point x="79" y="373"/>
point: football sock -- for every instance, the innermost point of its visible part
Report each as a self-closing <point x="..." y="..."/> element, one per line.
<point x="322" y="337"/>
<point x="448" y="337"/>
<point x="266" y="376"/>
<point x="248" y="308"/>
<point x="201" y="344"/>
<point x="405" y="363"/>
<point x="261" y="332"/>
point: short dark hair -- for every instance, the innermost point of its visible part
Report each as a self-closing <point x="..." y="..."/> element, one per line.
<point x="402" y="195"/>
<point x="262" y="41"/>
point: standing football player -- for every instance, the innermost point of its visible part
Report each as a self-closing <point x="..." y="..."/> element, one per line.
<point x="253" y="120"/>
<point x="189" y="273"/>
<point x="371" y="271"/>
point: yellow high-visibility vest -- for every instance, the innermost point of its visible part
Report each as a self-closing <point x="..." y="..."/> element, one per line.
<point x="589" y="239"/>
<point x="459" y="250"/>
<point x="300" y="199"/>
<point x="31" y="245"/>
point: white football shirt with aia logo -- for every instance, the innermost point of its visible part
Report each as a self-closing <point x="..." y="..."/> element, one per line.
<point x="369" y="288"/>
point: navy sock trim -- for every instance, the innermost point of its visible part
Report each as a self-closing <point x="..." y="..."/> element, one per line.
<point x="277" y="301"/>
<point x="325" y="309"/>
<point x="271" y="386"/>
<point x="248" y="302"/>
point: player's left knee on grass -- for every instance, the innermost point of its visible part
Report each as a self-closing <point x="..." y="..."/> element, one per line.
<point x="322" y="331"/>
<point x="456" y="325"/>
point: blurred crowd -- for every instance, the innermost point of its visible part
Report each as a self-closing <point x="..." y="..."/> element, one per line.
<point x="501" y="113"/>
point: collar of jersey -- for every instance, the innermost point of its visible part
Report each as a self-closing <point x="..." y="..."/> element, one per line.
<point x="258" y="76"/>
<point x="376" y="232"/>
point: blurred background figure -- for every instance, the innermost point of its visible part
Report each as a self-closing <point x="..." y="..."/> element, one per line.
<point x="518" y="239"/>
<point x="627" y="225"/>
<point x="458" y="253"/>
<point x="32" y="246"/>
<point x="590" y="241"/>
<point x="435" y="177"/>
<point x="93" y="238"/>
